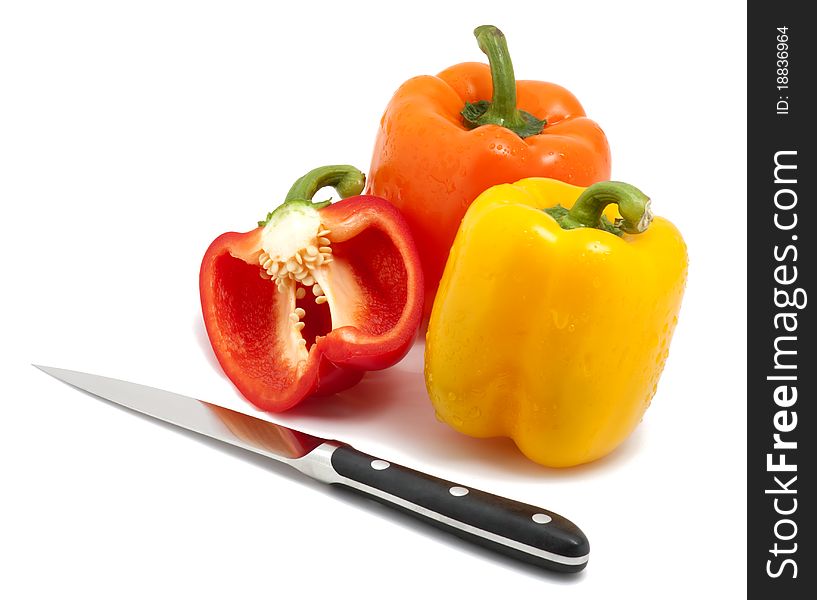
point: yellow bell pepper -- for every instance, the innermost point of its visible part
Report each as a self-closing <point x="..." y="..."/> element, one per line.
<point x="554" y="316"/>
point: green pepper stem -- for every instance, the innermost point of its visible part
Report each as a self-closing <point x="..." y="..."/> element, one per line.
<point x="588" y="210"/>
<point x="501" y="110"/>
<point x="347" y="181"/>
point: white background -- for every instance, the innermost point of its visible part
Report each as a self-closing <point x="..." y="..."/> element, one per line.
<point x="131" y="134"/>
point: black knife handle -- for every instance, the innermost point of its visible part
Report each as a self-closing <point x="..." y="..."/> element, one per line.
<point x="522" y="531"/>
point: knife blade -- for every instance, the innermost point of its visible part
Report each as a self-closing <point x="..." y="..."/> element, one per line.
<point x="522" y="531"/>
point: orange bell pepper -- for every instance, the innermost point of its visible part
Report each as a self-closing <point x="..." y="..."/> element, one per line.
<point x="441" y="144"/>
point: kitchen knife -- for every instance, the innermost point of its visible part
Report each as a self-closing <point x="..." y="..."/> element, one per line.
<point x="522" y="531"/>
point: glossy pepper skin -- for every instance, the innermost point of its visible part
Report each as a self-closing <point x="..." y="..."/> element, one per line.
<point x="554" y="337"/>
<point x="286" y="327"/>
<point x="436" y="151"/>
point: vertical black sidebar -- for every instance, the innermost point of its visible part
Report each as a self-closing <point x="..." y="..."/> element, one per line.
<point x="782" y="437"/>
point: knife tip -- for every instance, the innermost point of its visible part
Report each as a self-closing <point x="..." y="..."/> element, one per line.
<point x="47" y="370"/>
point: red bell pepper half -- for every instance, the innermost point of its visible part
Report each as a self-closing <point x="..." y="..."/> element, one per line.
<point x="315" y="296"/>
